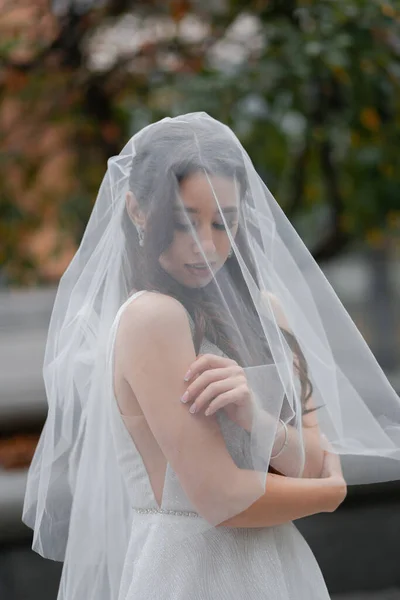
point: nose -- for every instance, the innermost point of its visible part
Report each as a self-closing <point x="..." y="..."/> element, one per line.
<point x="205" y="243"/>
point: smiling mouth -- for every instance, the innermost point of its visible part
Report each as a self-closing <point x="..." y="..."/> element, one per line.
<point x="201" y="265"/>
<point x="200" y="268"/>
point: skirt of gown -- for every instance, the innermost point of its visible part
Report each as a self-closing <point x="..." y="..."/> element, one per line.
<point x="222" y="563"/>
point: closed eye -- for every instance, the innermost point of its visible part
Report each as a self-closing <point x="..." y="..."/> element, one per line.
<point x="221" y="226"/>
<point x="218" y="226"/>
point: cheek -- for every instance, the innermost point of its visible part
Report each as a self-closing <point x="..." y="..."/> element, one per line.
<point x="177" y="249"/>
<point x="225" y="243"/>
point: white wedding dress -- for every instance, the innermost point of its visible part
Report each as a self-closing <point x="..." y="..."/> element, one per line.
<point x="166" y="562"/>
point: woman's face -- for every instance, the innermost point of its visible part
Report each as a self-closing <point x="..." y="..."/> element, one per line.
<point x="200" y="244"/>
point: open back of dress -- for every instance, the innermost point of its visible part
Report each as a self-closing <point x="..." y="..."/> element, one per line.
<point x="135" y="440"/>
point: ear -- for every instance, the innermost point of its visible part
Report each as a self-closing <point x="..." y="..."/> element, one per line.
<point x="135" y="213"/>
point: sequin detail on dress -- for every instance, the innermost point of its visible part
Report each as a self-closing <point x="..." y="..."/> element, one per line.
<point x="164" y="511"/>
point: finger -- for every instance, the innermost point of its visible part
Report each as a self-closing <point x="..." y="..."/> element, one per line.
<point x="326" y="443"/>
<point x="206" y="378"/>
<point x="332" y="463"/>
<point x="210" y="393"/>
<point x="229" y="397"/>
<point x="202" y="380"/>
<point x="208" y="361"/>
<point x="336" y="464"/>
<point x="327" y="465"/>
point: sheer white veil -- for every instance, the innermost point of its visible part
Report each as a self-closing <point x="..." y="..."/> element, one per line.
<point x="269" y="307"/>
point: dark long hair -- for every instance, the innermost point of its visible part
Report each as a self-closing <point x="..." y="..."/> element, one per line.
<point x="166" y="154"/>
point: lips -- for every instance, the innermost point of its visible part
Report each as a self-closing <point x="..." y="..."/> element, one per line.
<point x="200" y="269"/>
<point x="201" y="265"/>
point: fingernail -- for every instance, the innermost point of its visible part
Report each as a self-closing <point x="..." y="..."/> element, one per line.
<point x="208" y="412"/>
<point x="187" y="376"/>
<point x="185" y="397"/>
<point x="192" y="409"/>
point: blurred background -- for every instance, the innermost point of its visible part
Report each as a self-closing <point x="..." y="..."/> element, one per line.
<point x="312" y="89"/>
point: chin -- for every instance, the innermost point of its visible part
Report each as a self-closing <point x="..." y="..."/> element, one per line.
<point x="198" y="285"/>
<point x="189" y="283"/>
<point x="187" y="280"/>
<point x="199" y="281"/>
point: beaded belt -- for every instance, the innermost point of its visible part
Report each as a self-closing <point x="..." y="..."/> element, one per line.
<point x="164" y="511"/>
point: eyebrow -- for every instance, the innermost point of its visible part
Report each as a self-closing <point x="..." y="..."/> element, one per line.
<point x="226" y="210"/>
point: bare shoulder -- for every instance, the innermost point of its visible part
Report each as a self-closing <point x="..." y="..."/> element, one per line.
<point x="277" y="309"/>
<point x="153" y="312"/>
<point x="154" y="330"/>
<point x="271" y="299"/>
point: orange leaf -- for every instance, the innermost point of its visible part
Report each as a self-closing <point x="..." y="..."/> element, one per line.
<point x="388" y="10"/>
<point x="370" y="119"/>
<point x="179" y="9"/>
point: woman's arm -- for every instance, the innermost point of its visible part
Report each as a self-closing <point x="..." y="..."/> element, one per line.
<point x="300" y="457"/>
<point x="155" y="348"/>
<point x="288" y="461"/>
<point x="286" y="499"/>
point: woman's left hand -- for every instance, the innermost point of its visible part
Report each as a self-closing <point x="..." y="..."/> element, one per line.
<point x="218" y="382"/>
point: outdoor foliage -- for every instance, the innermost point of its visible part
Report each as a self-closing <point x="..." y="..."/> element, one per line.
<point x="310" y="87"/>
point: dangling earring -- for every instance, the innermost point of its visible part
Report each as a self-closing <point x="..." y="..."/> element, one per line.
<point x="230" y="253"/>
<point x="140" y="232"/>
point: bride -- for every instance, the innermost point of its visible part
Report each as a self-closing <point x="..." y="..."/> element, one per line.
<point x="198" y="393"/>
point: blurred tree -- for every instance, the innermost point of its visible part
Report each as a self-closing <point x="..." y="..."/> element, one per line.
<point x="310" y="87"/>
